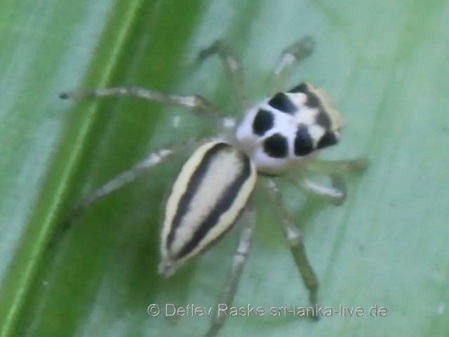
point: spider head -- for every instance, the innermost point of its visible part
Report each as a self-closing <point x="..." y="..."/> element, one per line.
<point x="287" y="128"/>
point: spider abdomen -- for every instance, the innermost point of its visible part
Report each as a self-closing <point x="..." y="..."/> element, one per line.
<point x="206" y="199"/>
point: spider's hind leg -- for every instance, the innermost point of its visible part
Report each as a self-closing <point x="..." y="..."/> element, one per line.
<point x="122" y="179"/>
<point x="197" y="104"/>
<point x="295" y="240"/>
<point x="239" y="260"/>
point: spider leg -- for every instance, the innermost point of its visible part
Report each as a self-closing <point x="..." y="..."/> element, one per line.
<point x="337" y="166"/>
<point x="291" y="55"/>
<point x="198" y="104"/>
<point x="233" y="68"/>
<point x="117" y="182"/>
<point x="294" y="238"/>
<point x="239" y="260"/>
<point x="335" y="194"/>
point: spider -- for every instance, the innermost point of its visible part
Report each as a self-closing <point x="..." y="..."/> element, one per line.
<point x="277" y="138"/>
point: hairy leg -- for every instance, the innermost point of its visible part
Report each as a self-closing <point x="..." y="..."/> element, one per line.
<point x="238" y="264"/>
<point x="233" y="68"/>
<point x="198" y="104"/>
<point x="295" y="240"/>
<point x="290" y="56"/>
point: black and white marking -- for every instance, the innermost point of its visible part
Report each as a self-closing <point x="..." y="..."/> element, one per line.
<point x="287" y="127"/>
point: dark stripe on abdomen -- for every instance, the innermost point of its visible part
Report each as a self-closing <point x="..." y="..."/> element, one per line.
<point x="194" y="183"/>
<point x="224" y="202"/>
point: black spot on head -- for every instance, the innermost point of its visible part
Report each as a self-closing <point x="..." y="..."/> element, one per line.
<point x="262" y="122"/>
<point x="281" y="102"/>
<point x="323" y="120"/>
<point x="302" y="87"/>
<point x="303" y="141"/>
<point x="276" y="146"/>
<point x="312" y="100"/>
<point x="328" y="139"/>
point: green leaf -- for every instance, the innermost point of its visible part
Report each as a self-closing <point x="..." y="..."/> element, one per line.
<point x="384" y="64"/>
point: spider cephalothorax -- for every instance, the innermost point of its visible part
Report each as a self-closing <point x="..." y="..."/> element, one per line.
<point x="284" y="129"/>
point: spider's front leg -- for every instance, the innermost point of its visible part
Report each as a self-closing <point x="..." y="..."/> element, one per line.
<point x="335" y="194"/>
<point x="337" y="166"/>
